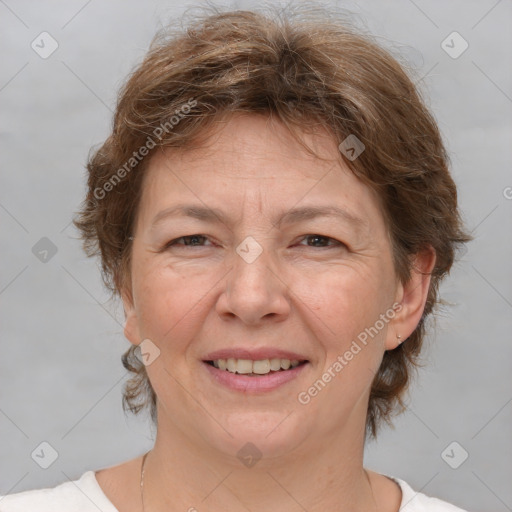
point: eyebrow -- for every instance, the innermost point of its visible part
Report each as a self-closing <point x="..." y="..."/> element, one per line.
<point x="294" y="215"/>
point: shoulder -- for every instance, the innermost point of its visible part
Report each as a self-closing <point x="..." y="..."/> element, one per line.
<point x="413" y="501"/>
<point x="82" y="495"/>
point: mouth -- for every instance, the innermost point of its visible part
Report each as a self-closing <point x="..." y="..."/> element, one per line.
<point x="257" y="368"/>
<point x="254" y="376"/>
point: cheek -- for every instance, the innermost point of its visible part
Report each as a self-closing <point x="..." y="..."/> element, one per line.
<point x="168" y="301"/>
<point x="344" y="301"/>
<point x="346" y="304"/>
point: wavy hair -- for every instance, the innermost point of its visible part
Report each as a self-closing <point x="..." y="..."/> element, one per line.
<point x="304" y="66"/>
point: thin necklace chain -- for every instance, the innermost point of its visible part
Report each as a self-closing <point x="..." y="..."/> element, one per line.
<point x="142" y="479"/>
<point x="142" y="483"/>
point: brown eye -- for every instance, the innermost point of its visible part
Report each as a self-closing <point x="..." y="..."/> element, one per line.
<point x="188" y="241"/>
<point x="321" y="241"/>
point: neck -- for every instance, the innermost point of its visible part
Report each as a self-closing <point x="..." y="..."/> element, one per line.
<point x="183" y="474"/>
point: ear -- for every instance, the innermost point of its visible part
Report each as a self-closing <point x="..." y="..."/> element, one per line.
<point x="412" y="296"/>
<point x="131" y="326"/>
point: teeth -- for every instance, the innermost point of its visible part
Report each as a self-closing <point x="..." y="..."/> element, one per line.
<point x="260" y="367"/>
<point x="275" y="364"/>
<point x="240" y="366"/>
<point x="231" y="365"/>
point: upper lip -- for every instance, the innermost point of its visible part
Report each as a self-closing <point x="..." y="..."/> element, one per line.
<point x="253" y="354"/>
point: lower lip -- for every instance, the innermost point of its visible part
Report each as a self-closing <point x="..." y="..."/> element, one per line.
<point x="240" y="382"/>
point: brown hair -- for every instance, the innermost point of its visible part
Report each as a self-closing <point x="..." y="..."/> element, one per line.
<point x="302" y="66"/>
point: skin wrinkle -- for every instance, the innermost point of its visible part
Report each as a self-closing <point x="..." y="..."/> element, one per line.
<point x="234" y="154"/>
<point x="289" y="297"/>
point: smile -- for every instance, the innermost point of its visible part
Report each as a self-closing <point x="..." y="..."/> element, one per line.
<point x="255" y="368"/>
<point x="254" y="376"/>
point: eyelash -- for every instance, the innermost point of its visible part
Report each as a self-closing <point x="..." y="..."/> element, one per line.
<point x="172" y="243"/>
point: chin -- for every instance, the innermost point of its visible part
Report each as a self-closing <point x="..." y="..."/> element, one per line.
<point x="258" y="434"/>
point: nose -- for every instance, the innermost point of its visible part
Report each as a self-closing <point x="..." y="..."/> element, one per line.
<point x="255" y="292"/>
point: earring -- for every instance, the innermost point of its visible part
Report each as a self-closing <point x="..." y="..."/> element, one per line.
<point x="398" y="337"/>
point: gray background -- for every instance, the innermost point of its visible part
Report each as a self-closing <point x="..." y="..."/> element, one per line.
<point x="61" y="375"/>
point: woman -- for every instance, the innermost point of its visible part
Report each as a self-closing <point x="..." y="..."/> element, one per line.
<point x="275" y="210"/>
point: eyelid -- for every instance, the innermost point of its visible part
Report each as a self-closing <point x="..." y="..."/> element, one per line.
<point x="172" y="242"/>
<point x="330" y="240"/>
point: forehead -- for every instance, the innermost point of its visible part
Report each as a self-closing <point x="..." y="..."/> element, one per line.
<point x="250" y="161"/>
<point x="248" y="145"/>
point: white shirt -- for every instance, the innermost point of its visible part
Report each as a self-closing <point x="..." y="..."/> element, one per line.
<point x="86" y="495"/>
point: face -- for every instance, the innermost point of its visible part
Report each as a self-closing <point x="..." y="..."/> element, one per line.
<point x="254" y="276"/>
